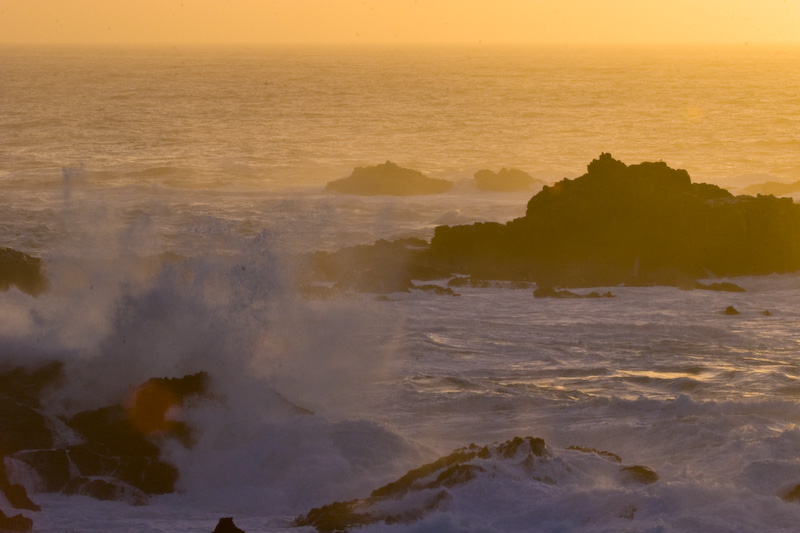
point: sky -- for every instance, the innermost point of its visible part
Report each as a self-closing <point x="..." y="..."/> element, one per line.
<point x="400" y="21"/>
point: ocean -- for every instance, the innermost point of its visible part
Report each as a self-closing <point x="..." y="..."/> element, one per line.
<point x="110" y="157"/>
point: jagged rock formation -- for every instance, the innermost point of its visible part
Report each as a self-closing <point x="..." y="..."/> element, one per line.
<point x="388" y="179"/>
<point x="22" y="271"/>
<point x="117" y="457"/>
<point x="644" y="224"/>
<point x="18" y="522"/>
<point x="639" y="224"/>
<point x="432" y="487"/>
<point x="507" y="180"/>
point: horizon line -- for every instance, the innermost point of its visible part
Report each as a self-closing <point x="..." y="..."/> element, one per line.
<point x="477" y="43"/>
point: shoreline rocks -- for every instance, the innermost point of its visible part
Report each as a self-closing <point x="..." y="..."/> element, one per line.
<point x="435" y="486"/>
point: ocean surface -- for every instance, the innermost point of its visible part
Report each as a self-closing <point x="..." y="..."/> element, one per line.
<point x="112" y="156"/>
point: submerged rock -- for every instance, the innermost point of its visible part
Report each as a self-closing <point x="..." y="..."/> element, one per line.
<point x="435" y="486"/>
<point x="388" y="179"/>
<point x="507" y="180"/>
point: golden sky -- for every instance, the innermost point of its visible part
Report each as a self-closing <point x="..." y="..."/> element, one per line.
<point x="400" y="21"/>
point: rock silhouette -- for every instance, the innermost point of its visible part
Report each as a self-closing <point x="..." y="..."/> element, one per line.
<point x="639" y="225"/>
<point x="388" y="179"/>
<point x="506" y="180"/>
<point x="433" y="487"/>
<point x="118" y="458"/>
<point x="226" y="525"/>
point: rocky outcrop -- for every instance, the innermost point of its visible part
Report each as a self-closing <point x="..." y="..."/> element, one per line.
<point x="388" y="179"/>
<point x="15" y="523"/>
<point x="435" y="486"/>
<point x="507" y="180"/>
<point x="114" y="454"/>
<point x="22" y="271"/>
<point x="226" y="525"/>
<point x="641" y="224"/>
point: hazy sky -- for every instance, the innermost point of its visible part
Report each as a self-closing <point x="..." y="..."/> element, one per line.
<point x="399" y="21"/>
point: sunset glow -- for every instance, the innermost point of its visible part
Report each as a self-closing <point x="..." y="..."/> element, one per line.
<point x="400" y="21"/>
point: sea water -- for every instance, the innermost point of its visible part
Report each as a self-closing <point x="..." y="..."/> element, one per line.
<point x="110" y="157"/>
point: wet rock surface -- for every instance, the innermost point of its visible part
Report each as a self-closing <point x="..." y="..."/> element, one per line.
<point x="433" y="487"/>
<point x="118" y="456"/>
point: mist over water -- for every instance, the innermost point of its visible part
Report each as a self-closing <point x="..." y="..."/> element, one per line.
<point x="168" y="189"/>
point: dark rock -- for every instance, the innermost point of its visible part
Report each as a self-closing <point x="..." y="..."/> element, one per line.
<point x="431" y="487"/>
<point x="405" y="483"/>
<point x="731" y="310"/>
<point x="550" y="292"/>
<point x="436" y="289"/>
<point x="388" y="179"/>
<point x="21" y="270"/>
<point x="52" y="466"/>
<point x="337" y="516"/>
<point x="510" y="448"/>
<point x="22" y="425"/>
<point x="455" y="475"/>
<point x="16" y="523"/>
<point x="792" y="495"/>
<point x="507" y="180"/>
<point x="722" y="287"/>
<point x="16" y="494"/>
<point x="637" y="225"/>
<point x="640" y="474"/>
<point x="766" y="312"/>
<point x="26" y="385"/>
<point x="226" y="525"/>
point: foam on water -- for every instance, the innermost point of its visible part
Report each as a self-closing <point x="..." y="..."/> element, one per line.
<point x="167" y="190"/>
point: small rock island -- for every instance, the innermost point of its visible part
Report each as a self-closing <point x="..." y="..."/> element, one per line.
<point x="636" y="225"/>
<point x="388" y="179"/>
<point x="507" y="180"/>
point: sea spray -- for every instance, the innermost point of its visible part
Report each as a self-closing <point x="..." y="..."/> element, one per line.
<point x="264" y="439"/>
